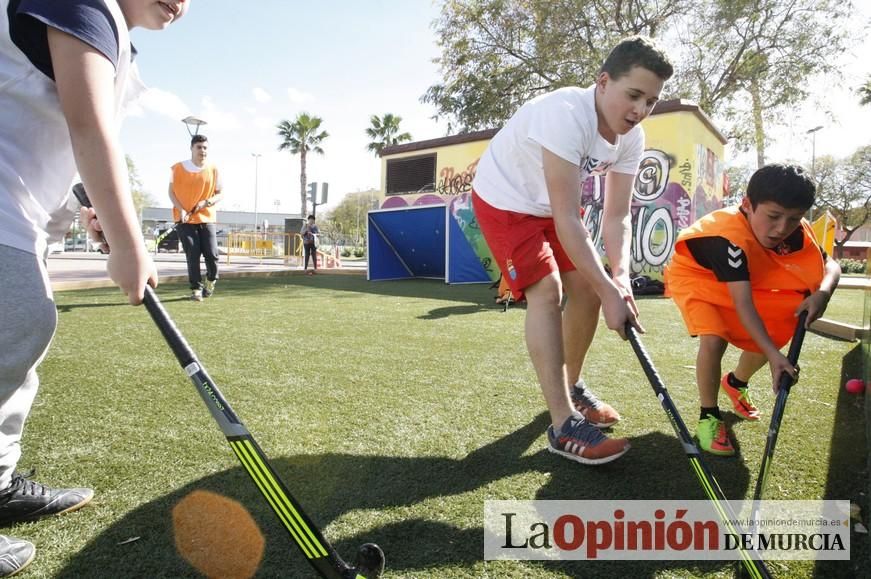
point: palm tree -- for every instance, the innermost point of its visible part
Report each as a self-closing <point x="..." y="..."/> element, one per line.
<point x="300" y="137"/>
<point x="384" y="132"/>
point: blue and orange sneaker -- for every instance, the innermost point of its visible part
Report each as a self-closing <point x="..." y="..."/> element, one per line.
<point x="597" y="413"/>
<point x="713" y="436"/>
<point x="582" y="442"/>
<point x="740" y="398"/>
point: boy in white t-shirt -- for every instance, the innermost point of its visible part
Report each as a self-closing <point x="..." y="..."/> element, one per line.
<point x="66" y="72"/>
<point x="527" y="200"/>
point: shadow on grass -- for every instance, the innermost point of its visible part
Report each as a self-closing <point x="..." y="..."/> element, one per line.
<point x="479" y="296"/>
<point x="66" y="308"/>
<point x="331" y="486"/>
<point x="848" y="467"/>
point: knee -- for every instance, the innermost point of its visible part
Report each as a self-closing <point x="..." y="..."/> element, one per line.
<point x="546" y="293"/>
<point x="712" y="347"/>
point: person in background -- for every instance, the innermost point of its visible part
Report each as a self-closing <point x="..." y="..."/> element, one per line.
<point x="194" y="190"/>
<point x="310" y="234"/>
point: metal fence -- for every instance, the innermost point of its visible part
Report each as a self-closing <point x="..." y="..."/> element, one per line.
<point x="285" y="246"/>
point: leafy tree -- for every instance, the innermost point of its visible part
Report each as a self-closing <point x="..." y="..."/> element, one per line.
<point x="141" y="198"/>
<point x="384" y="132"/>
<point x="749" y="61"/>
<point x="349" y="216"/>
<point x="497" y="54"/>
<point x="738" y="176"/>
<point x="844" y="188"/>
<point x="300" y="137"/>
<point x="865" y="93"/>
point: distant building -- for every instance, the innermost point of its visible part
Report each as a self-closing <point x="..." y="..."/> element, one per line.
<point x="228" y="221"/>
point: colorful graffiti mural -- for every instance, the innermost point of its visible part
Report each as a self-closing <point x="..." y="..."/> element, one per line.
<point x="680" y="179"/>
<point x="453" y="183"/>
<point x="660" y="209"/>
<point x="464" y="215"/>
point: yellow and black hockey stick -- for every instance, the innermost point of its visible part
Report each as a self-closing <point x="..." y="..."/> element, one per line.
<point x="320" y="554"/>
<point x="751" y="561"/>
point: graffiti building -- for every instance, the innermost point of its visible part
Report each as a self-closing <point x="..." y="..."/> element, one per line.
<point x="679" y="180"/>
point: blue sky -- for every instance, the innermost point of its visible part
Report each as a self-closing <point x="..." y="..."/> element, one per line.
<point x="245" y="66"/>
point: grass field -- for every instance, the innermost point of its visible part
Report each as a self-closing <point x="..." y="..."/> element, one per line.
<point x="392" y="410"/>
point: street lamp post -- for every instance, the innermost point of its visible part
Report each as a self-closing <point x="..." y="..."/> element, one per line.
<point x="193" y="122"/>
<point x="256" y="171"/>
<point x="813" y="133"/>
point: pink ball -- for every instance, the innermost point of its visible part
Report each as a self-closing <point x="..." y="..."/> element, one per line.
<point x="855" y="386"/>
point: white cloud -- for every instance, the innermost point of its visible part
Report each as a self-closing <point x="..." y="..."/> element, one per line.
<point x="299" y="97"/>
<point x="217" y="118"/>
<point x="264" y="122"/>
<point x="261" y="96"/>
<point x="161" y="102"/>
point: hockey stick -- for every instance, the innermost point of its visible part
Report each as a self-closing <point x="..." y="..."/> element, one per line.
<point x="165" y="234"/>
<point x="783" y="388"/>
<point x="320" y="553"/>
<point x="750" y="560"/>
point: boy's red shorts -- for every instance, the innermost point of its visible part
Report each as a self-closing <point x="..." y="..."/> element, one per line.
<point x="525" y="247"/>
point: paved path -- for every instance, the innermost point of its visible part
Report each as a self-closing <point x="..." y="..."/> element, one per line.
<point x="78" y="270"/>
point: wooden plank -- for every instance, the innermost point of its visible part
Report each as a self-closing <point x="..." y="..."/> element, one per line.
<point x="837" y="330"/>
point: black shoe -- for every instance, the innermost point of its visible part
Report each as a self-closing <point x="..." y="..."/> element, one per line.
<point x="25" y="500"/>
<point x="15" y="555"/>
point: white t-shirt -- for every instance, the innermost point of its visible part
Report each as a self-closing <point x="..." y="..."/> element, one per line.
<point x="36" y="156"/>
<point x="510" y="174"/>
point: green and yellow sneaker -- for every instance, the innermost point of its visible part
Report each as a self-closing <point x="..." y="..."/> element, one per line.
<point x="713" y="436"/>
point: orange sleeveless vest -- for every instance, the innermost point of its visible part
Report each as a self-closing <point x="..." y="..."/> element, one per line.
<point x="191" y="188"/>
<point x="779" y="283"/>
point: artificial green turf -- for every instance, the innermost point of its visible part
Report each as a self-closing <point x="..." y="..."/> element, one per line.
<point x="392" y="410"/>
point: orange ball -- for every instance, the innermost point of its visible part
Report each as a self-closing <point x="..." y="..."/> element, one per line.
<point x="217" y="535"/>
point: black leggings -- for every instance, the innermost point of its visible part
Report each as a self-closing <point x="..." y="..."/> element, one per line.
<point x="310" y="251"/>
<point x="199" y="240"/>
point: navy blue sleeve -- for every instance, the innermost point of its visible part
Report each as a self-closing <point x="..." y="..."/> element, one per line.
<point x="88" y="20"/>
<point x="727" y="261"/>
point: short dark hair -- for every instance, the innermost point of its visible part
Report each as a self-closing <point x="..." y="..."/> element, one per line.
<point x="637" y="51"/>
<point x="198" y="139"/>
<point x="311" y="216"/>
<point x="787" y="185"/>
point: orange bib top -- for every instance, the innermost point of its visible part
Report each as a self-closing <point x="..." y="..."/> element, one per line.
<point x="779" y="283"/>
<point x="191" y="188"/>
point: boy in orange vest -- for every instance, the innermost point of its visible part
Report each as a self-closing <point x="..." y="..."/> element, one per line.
<point x="741" y="276"/>
<point x="194" y="190"/>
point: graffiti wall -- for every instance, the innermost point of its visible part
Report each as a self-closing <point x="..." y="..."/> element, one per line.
<point x="455" y="169"/>
<point x="680" y="178"/>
